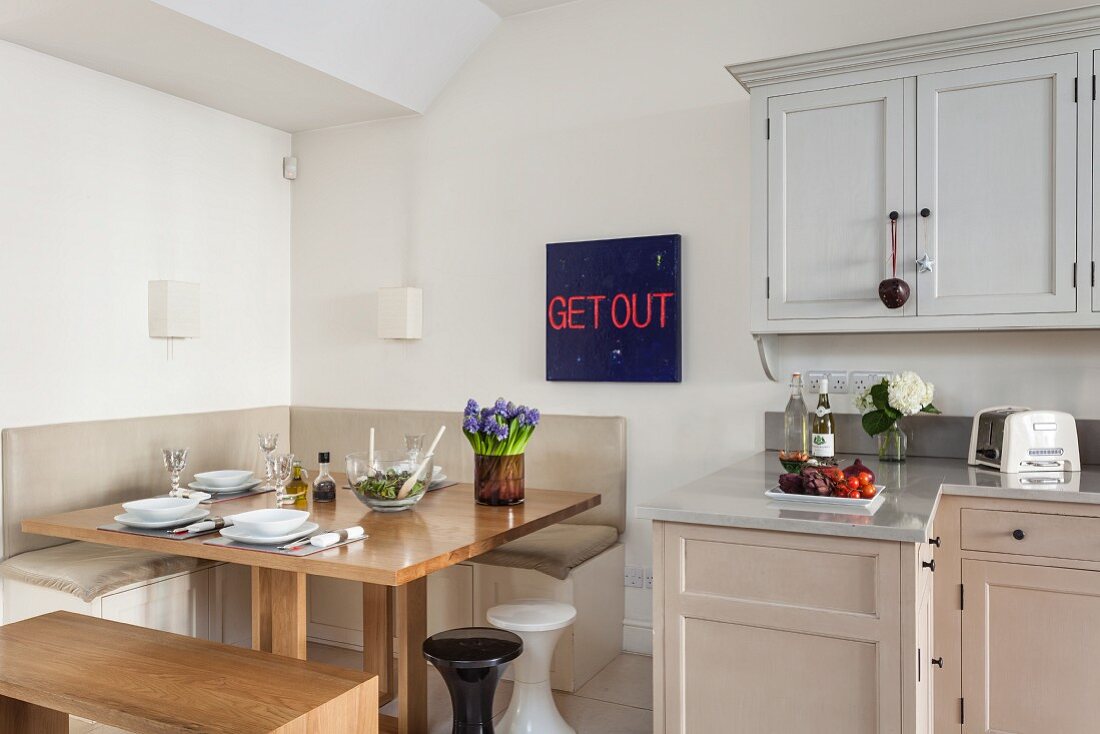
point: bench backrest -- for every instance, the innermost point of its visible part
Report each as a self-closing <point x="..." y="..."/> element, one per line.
<point x="580" y="453"/>
<point x="69" y="466"/>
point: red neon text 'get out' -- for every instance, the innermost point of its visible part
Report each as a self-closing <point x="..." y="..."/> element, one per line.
<point x="621" y="310"/>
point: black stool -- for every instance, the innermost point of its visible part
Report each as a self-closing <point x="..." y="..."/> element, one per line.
<point x="471" y="661"/>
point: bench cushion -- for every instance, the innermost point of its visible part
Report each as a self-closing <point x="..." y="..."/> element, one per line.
<point x="555" y="551"/>
<point x="89" y="570"/>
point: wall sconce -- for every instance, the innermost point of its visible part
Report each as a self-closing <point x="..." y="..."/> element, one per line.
<point x="173" y="311"/>
<point x="400" y="313"/>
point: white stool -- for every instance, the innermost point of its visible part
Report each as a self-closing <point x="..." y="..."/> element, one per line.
<point x="539" y="623"/>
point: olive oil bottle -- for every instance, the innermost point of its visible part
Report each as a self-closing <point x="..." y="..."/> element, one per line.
<point x="297" y="490"/>
<point x="822" y="440"/>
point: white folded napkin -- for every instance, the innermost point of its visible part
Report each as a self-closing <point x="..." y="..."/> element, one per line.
<point x="324" y="540"/>
<point x="213" y="523"/>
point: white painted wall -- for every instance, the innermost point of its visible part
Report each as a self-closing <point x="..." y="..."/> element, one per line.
<point x="106" y="185"/>
<point x="601" y="118"/>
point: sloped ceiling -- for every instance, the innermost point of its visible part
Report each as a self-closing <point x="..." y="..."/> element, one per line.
<point x="505" y="8"/>
<point x="279" y="62"/>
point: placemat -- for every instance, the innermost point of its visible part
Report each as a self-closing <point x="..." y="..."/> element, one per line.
<point x="308" y="550"/>
<point x="117" y="527"/>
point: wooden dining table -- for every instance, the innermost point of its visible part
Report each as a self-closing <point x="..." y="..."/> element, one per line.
<point x="393" y="563"/>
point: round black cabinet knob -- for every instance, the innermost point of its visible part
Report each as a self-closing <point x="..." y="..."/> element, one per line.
<point x="938" y="662"/>
<point x="934" y="541"/>
<point x="926" y="212"/>
<point x="930" y="565"/>
<point x="1018" y="534"/>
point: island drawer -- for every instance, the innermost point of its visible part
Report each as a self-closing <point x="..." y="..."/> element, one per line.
<point x="1031" y="534"/>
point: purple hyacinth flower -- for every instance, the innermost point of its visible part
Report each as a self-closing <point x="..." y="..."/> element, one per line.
<point x="470" y="424"/>
<point x="533" y="416"/>
<point x="500" y="407"/>
<point x="472" y="408"/>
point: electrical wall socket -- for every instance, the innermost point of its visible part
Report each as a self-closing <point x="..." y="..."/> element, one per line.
<point x="649" y="578"/>
<point x="862" y="381"/>
<point x="838" y="380"/>
<point x="634" y="577"/>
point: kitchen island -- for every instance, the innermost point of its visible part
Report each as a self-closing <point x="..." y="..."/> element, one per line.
<point x="774" y="617"/>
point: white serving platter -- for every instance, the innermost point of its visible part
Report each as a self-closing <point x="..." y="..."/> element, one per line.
<point x="776" y="493"/>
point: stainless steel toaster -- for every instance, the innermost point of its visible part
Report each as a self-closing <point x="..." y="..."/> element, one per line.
<point x="1014" y="439"/>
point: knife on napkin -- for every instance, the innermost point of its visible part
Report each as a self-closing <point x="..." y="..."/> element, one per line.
<point x="211" y="523"/>
<point x="324" y="540"/>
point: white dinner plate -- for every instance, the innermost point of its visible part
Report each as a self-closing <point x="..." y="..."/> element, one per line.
<point x="439" y="479"/>
<point x="226" y="490"/>
<point x="234" y="533"/>
<point x="133" y="521"/>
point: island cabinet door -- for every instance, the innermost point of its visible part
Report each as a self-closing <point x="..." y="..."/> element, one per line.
<point x="777" y="632"/>
<point x="1031" y="652"/>
<point x="836" y="167"/>
<point x="997" y="181"/>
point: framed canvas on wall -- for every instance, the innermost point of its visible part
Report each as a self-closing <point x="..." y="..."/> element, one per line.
<point x="613" y="310"/>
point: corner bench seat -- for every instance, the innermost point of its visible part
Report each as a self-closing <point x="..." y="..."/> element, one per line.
<point x="554" y="551"/>
<point x="88" y="570"/>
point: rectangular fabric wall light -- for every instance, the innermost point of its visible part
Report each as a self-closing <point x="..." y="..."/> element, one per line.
<point x="173" y="309"/>
<point x="400" y="313"/>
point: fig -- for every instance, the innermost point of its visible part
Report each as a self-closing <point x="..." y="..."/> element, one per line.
<point x="855" y="469"/>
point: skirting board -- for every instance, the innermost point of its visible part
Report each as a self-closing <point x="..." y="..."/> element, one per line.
<point x="637" y="636"/>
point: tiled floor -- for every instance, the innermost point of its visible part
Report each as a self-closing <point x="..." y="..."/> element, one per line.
<point x="618" y="700"/>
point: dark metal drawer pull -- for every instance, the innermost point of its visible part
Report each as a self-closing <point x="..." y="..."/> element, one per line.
<point x="1018" y="534"/>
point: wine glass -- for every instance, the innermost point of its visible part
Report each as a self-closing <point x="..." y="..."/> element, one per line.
<point x="174" y="461"/>
<point x="414" y="442"/>
<point x="282" y="467"/>
<point x="268" y="443"/>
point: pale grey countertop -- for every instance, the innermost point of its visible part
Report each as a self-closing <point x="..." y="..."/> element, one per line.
<point x="734" y="497"/>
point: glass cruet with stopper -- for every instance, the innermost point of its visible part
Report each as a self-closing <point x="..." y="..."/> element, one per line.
<point x="796" y="446"/>
<point x="324" y="486"/>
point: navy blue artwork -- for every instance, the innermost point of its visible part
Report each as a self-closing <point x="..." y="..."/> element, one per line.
<point x="613" y="310"/>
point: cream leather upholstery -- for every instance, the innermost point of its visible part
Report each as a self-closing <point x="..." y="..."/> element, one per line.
<point x="580" y="453"/>
<point x="57" y="468"/>
<point x="554" y="551"/>
<point x="88" y="570"/>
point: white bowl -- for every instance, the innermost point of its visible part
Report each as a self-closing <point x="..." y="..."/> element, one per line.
<point x="223" y="478"/>
<point x="158" y="509"/>
<point x="268" y="523"/>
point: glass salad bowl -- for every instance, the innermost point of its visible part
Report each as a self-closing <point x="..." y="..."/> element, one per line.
<point x="377" y="484"/>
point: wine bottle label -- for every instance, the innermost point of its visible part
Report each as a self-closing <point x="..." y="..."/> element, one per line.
<point x="822" y="445"/>
<point x="822" y="411"/>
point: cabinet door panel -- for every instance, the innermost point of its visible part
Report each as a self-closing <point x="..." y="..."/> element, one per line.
<point x="1030" y="649"/>
<point x="836" y="170"/>
<point x="996" y="165"/>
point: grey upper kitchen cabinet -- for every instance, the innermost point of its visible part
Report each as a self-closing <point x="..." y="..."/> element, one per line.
<point x="997" y="178"/>
<point x="987" y="131"/>
<point x="835" y="172"/>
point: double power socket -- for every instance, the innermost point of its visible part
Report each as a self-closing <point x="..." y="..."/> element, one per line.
<point x="637" y="577"/>
<point x="843" y="382"/>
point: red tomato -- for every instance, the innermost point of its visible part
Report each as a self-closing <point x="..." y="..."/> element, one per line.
<point x="865" y="478"/>
<point x="869" y="491"/>
<point x="853" y="483"/>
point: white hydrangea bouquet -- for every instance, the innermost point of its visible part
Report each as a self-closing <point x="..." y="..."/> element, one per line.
<point x="897" y="397"/>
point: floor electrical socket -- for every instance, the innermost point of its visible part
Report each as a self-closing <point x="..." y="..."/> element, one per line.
<point x="634" y="577"/>
<point x="838" y="381"/>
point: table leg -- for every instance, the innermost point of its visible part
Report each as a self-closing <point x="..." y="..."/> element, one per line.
<point x="279" y="612"/>
<point x="378" y="638"/>
<point x="16" y="715"/>
<point x="412" y="669"/>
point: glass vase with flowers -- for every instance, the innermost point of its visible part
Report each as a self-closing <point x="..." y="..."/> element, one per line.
<point x="499" y="436"/>
<point x="887" y="402"/>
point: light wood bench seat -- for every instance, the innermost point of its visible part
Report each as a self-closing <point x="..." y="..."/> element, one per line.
<point x="145" y="681"/>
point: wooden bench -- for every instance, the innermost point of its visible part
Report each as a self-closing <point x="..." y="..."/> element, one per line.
<point x="142" y="680"/>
